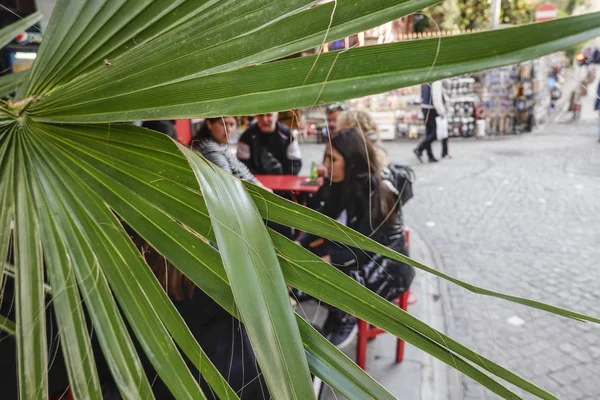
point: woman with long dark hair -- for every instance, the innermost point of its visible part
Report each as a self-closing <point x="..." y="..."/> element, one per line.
<point x="355" y="195"/>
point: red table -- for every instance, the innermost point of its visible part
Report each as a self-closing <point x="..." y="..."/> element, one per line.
<point x="290" y="183"/>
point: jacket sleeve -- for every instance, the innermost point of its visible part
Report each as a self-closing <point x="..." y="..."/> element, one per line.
<point x="341" y="255"/>
<point x="346" y="257"/>
<point x="305" y="239"/>
<point x="244" y="151"/>
<point x="294" y="157"/>
<point x="243" y="171"/>
<point x="437" y="96"/>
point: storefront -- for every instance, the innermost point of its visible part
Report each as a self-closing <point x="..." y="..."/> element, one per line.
<point x="502" y="101"/>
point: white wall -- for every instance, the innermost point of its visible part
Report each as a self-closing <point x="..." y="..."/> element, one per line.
<point x="45" y="7"/>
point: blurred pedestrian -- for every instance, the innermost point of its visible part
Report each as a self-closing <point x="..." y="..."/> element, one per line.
<point x="597" y="108"/>
<point x="432" y="105"/>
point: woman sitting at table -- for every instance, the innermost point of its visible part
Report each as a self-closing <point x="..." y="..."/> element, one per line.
<point x="212" y="141"/>
<point x="355" y="195"/>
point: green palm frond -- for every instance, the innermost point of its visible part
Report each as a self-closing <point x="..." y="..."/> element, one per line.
<point x="70" y="178"/>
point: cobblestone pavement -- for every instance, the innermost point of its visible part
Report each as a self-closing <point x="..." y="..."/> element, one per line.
<point x="519" y="215"/>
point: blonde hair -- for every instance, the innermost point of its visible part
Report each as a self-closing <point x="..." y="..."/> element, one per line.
<point x="361" y="121"/>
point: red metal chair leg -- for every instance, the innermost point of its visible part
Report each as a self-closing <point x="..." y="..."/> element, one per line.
<point x="365" y="331"/>
<point x="361" y="346"/>
<point x="399" y="351"/>
<point x="400" y="343"/>
<point x="404" y="300"/>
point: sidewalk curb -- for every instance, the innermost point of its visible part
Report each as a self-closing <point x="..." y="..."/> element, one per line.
<point x="438" y="380"/>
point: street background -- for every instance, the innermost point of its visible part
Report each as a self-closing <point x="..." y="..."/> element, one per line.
<point x="519" y="215"/>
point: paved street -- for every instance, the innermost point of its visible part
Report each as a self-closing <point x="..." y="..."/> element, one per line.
<point x="519" y="215"/>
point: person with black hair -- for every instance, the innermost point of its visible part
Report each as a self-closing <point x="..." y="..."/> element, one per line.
<point x="212" y="141"/>
<point x="355" y="195"/>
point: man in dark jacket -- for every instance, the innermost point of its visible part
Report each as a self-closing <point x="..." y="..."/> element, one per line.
<point x="267" y="147"/>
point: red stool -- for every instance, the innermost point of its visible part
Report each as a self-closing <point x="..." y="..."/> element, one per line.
<point x="367" y="331"/>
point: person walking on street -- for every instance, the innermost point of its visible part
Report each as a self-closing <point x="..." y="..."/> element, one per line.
<point x="268" y="147"/>
<point x="432" y="105"/>
<point x="597" y="108"/>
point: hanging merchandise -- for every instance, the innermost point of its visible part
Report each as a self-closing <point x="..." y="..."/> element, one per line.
<point x="525" y="100"/>
<point x="411" y="123"/>
<point x="398" y="112"/>
<point x="496" y="88"/>
<point x="509" y="100"/>
<point x="460" y="99"/>
<point x="516" y="98"/>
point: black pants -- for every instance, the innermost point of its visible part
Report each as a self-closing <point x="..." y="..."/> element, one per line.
<point x="444" y="147"/>
<point x="431" y="135"/>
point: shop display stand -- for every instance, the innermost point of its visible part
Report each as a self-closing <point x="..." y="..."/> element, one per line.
<point x="497" y="90"/>
<point x="460" y="99"/>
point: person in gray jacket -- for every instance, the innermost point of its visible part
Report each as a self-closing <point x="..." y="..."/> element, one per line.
<point x="212" y="141"/>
